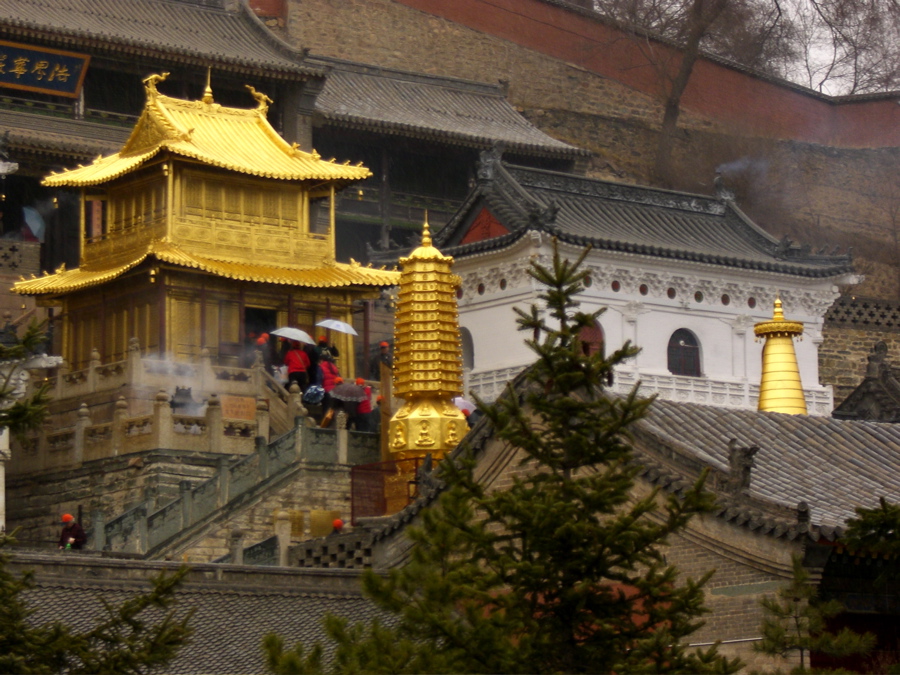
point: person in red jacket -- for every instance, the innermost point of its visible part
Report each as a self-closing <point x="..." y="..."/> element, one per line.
<point x="362" y="419"/>
<point x="72" y="535"/>
<point x="297" y="362"/>
<point x="329" y="372"/>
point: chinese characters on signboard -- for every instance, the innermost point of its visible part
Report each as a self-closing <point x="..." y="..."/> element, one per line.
<point x="40" y="69"/>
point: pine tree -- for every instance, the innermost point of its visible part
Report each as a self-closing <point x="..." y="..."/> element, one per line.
<point x="877" y="530"/>
<point x="795" y="622"/>
<point x="124" y="642"/>
<point x="564" y="570"/>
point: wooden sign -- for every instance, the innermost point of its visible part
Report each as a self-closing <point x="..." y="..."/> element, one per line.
<point x="41" y="69"/>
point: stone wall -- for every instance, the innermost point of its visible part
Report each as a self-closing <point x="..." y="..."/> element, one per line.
<point x="800" y="181"/>
<point x="36" y="502"/>
<point x="313" y="488"/>
<point x="852" y="328"/>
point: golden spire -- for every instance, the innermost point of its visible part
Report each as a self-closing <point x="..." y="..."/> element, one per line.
<point x="780" y="389"/>
<point x="427" y="356"/>
<point x="207" y="92"/>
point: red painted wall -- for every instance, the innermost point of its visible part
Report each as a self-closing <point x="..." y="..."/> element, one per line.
<point x="730" y="96"/>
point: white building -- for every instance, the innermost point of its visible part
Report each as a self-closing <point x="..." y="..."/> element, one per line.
<point x="683" y="276"/>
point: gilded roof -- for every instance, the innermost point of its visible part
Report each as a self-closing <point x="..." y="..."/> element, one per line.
<point x="202" y="32"/>
<point x="336" y="275"/>
<point x="235" y="139"/>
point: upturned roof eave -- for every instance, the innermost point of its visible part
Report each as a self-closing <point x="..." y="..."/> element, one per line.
<point x="506" y="241"/>
<point x="286" y="63"/>
<point x="474" y="141"/>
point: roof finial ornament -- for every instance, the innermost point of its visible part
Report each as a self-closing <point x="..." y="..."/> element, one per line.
<point x="778" y="314"/>
<point x="150" y="83"/>
<point x="207" y="92"/>
<point x="260" y="97"/>
<point x="426" y="234"/>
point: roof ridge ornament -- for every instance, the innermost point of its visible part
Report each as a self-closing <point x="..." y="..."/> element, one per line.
<point x="263" y="100"/>
<point x="207" y="91"/>
<point x="150" y="83"/>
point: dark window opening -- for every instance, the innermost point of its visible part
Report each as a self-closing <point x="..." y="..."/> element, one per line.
<point x="684" y="353"/>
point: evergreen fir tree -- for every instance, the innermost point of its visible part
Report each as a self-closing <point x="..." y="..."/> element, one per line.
<point x="877" y="530"/>
<point x="124" y="642"/>
<point x="795" y="623"/>
<point x="563" y="571"/>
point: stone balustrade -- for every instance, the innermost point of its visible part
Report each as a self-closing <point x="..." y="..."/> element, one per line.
<point x="488" y="385"/>
<point x="211" y="432"/>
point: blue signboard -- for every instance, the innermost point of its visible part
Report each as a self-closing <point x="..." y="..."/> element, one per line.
<point x="41" y="69"/>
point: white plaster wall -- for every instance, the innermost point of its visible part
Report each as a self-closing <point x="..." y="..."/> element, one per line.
<point x="729" y="352"/>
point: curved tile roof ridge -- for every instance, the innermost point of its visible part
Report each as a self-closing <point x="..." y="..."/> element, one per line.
<point x="237" y="36"/>
<point x="453" y="110"/>
<point x="631" y="219"/>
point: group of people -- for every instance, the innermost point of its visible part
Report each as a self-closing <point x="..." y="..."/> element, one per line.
<point x="314" y="370"/>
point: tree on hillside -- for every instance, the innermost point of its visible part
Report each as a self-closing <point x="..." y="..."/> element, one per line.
<point x="755" y="33"/>
<point x="852" y="46"/>
<point x="795" y="623"/>
<point x="561" y="571"/>
<point x="124" y="642"/>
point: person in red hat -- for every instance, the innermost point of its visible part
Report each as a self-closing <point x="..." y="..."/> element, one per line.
<point x="363" y="418"/>
<point x="337" y="525"/>
<point x="72" y="535"/>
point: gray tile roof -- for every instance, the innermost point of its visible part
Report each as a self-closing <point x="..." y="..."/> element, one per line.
<point x="454" y="111"/>
<point x="232" y="614"/>
<point x="197" y="31"/>
<point x="832" y="465"/>
<point x="45" y="132"/>
<point x="633" y="219"/>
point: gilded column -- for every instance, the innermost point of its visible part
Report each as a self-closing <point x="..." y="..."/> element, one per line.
<point x="780" y="389"/>
<point x="427" y="357"/>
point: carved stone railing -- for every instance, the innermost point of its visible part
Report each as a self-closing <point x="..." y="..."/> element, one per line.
<point x="488" y="385"/>
<point x="211" y="432"/>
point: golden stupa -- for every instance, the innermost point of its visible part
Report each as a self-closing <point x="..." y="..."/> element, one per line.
<point x="427" y="357"/>
<point x="780" y="389"/>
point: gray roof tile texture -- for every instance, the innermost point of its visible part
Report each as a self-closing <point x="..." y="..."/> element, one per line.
<point x="629" y="218"/>
<point x="832" y="465"/>
<point x="461" y="112"/>
<point x="229" y="623"/>
<point x="203" y="30"/>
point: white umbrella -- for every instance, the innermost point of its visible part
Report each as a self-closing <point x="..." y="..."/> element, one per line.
<point x="464" y="404"/>
<point x="339" y="326"/>
<point x="294" y="334"/>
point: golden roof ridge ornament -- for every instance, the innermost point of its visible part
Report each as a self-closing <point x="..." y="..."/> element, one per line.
<point x="780" y="389"/>
<point x="263" y="100"/>
<point x="427" y="356"/>
<point x="207" y="91"/>
<point x="150" y="83"/>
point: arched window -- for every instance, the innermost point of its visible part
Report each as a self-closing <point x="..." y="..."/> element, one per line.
<point x="684" y="353"/>
<point x="468" y="349"/>
<point x="591" y="340"/>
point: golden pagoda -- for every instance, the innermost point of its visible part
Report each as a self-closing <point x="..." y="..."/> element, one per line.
<point x="427" y="357"/>
<point x="205" y="224"/>
<point x="780" y="389"/>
